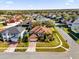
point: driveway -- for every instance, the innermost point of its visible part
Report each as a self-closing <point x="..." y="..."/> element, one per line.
<point x="11" y="48"/>
<point x="31" y="47"/>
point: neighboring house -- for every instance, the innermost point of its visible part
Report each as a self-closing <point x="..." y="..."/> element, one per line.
<point x="27" y="24"/>
<point x="12" y="34"/>
<point x="41" y="18"/>
<point x="75" y="26"/>
<point x="39" y="31"/>
<point x="2" y="19"/>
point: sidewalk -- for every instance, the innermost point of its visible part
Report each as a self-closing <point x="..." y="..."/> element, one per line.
<point x="11" y="48"/>
<point x="31" y="47"/>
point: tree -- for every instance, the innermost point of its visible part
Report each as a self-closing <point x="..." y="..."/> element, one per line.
<point x="25" y="37"/>
<point x="1" y="37"/>
<point x="48" y="23"/>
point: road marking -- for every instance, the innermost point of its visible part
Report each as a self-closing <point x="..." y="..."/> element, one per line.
<point x="70" y="57"/>
<point x="65" y="48"/>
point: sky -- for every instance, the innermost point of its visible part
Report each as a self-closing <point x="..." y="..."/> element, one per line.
<point x="38" y="4"/>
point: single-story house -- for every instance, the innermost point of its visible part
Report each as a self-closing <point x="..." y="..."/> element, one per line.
<point x="12" y="33"/>
<point x="39" y="31"/>
<point x="41" y="18"/>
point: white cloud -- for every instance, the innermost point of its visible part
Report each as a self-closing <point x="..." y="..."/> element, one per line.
<point x="9" y="2"/>
<point x="71" y="1"/>
<point x="67" y="4"/>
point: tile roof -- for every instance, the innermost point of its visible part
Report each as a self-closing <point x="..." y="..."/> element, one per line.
<point x="41" y="29"/>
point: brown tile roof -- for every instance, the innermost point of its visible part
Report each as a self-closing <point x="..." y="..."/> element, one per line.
<point x="35" y="28"/>
<point x="40" y="29"/>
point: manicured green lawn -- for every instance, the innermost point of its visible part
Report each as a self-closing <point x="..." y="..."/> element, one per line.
<point x="65" y="44"/>
<point x="45" y="44"/>
<point x="66" y="30"/>
<point x="22" y="47"/>
<point x="50" y="50"/>
<point x="1" y="25"/>
<point x="3" y="46"/>
<point x="77" y="41"/>
<point x="23" y="44"/>
<point x="53" y="43"/>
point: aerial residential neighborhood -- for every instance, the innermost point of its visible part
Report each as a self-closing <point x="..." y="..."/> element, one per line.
<point x="44" y="32"/>
<point x="39" y="29"/>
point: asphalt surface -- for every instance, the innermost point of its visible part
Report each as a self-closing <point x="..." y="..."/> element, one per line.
<point x="33" y="55"/>
<point x="39" y="55"/>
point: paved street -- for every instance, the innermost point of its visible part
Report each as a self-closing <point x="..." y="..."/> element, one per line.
<point x="41" y="55"/>
<point x="33" y="56"/>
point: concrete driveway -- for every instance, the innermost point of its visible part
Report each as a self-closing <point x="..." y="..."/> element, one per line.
<point x="31" y="47"/>
<point x="11" y="48"/>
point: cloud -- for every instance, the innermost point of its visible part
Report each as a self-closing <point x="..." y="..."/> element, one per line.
<point x="67" y="4"/>
<point x="9" y="2"/>
<point x="71" y="1"/>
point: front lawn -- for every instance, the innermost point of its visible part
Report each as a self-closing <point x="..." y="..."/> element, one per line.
<point x="3" y="46"/>
<point x="21" y="44"/>
<point x="53" y="43"/>
<point x="22" y="47"/>
<point x="1" y="26"/>
<point x="65" y="44"/>
<point x="50" y="50"/>
<point x="40" y="47"/>
<point x="77" y="41"/>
